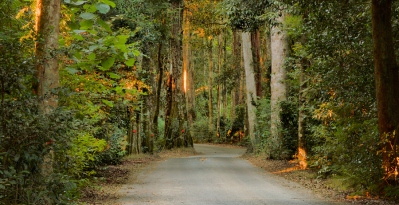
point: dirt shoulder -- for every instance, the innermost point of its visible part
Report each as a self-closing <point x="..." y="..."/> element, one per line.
<point x="328" y="188"/>
<point x="109" y="179"/>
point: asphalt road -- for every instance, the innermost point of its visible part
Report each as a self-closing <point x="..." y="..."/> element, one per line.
<point x="218" y="177"/>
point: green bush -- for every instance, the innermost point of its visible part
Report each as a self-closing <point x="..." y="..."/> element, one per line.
<point x="82" y="153"/>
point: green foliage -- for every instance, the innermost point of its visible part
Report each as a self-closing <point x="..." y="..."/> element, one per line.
<point x="201" y="130"/>
<point x="244" y="14"/>
<point x="82" y="153"/>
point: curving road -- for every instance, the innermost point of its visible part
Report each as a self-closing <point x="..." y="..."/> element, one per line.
<point x="218" y="177"/>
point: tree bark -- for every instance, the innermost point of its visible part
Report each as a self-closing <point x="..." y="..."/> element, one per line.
<point x="188" y="79"/>
<point x="175" y="96"/>
<point x="255" y="40"/>
<point x="279" y="51"/>
<point x="155" y="133"/>
<point x="210" y="90"/>
<point x="237" y="68"/>
<point x="47" y="74"/>
<point x="218" y="95"/>
<point x="387" y="86"/>
<point x="251" y="96"/>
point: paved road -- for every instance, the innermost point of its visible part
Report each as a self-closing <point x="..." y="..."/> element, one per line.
<point x="217" y="177"/>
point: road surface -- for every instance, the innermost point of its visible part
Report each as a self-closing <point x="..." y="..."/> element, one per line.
<point x="218" y="177"/>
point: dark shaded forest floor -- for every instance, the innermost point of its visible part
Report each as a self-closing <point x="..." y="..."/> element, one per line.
<point x="328" y="188"/>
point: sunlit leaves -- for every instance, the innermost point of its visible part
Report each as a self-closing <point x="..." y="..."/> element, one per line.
<point x="108" y="103"/>
<point x="107" y="63"/>
<point x="130" y="62"/>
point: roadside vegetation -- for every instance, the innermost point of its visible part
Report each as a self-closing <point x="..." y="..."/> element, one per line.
<point x="86" y="83"/>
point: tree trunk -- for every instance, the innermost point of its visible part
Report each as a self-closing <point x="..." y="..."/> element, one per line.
<point x="47" y="74"/>
<point x="175" y="95"/>
<point x="210" y="88"/>
<point x="255" y="40"/>
<point x="155" y="133"/>
<point x="188" y="79"/>
<point x="218" y="95"/>
<point x="387" y="86"/>
<point x="279" y="50"/>
<point x="237" y="68"/>
<point x="251" y="96"/>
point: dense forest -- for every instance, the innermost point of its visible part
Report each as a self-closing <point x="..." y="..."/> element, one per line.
<point x="84" y="83"/>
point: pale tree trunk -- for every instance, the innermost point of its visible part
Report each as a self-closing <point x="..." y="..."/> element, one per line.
<point x="210" y="90"/>
<point x="47" y="74"/>
<point x="387" y="87"/>
<point x="251" y="96"/>
<point x="218" y="95"/>
<point x="188" y="78"/>
<point x="279" y="51"/>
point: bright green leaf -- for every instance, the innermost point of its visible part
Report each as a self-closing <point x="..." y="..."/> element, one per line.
<point x="91" y="56"/>
<point x="136" y="52"/>
<point x="108" y="103"/>
<point x="113" y="75"/>
<point x="119" y="90"/>
<point x="86" y="24"/>
<point x="107" y="63"/>
<point x="87" y="16"/>
<point x="108" y="2"/>
<point x="103" y="8"/>
<point x="130" y="62"/>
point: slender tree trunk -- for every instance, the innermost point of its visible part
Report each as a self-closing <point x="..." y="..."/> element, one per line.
<point x="237" y="68"/>
<point x="218" y="110"/>
<point x="188" y="79"/>
<point x="210" y="88"/>
<point x="168" y="112"/>
<point x="251" y="96"/>
<point x="155" y="133"/>
<point x="279" y="48"/>
<point x="135" y="138"/>
<point x="387" y="86"/>
<point x="255" y="40"/>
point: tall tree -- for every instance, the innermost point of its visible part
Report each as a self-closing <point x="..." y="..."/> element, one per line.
<point x="175" y="113"/>
<point x="250" y="82"/>
<point x="47" y="74"/>
<point x="210" y="89"/>
<point x="387" y="85"/>
<point x="188" y="69"/>
<point x="279" y="51"/>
